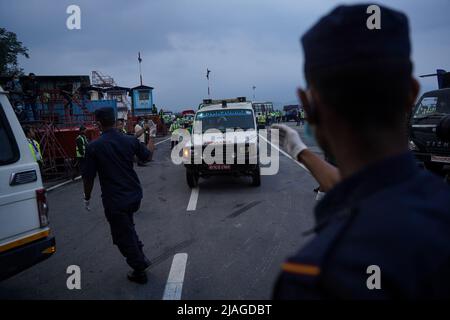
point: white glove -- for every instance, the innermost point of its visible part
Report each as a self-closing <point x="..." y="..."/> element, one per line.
<point x="86" y="205"/>
<point x="290" y="140"/>
<point x="320" y="195"/>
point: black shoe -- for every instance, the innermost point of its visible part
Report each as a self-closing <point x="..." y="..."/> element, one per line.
<point x="137" y="276"/>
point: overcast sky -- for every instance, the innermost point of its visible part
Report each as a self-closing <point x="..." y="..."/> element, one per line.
<point x="243" y="42"/>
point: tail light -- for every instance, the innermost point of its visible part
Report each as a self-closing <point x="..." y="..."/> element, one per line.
<point x="42" y="207"/>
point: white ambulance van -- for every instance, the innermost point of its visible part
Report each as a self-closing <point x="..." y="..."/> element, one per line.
<point x="225" y="144"/>
<point x="24" y="227"/>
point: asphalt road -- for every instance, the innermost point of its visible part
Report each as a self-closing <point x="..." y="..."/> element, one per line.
<point x="236" y="238"/>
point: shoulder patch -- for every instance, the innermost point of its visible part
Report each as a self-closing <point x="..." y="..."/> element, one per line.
<point x="300" y="268"/>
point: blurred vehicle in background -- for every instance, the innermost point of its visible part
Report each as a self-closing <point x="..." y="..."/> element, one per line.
<point x="291" y="112"/>
<point x="429" y="127"/>
<point x="262" y="108"/>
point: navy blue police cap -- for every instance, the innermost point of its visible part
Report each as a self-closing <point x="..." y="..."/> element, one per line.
<point x="342" y="38"/>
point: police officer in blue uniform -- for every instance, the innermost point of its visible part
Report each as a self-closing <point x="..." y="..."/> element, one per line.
<point x="111" y="157"/>
<point x="383" y="228"/>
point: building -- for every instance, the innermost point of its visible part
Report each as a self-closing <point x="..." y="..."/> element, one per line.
<point x="120" y="95"/>
<point x="141" y="100"/>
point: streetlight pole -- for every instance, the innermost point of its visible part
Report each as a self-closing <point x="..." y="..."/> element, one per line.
<point x="254" y="92"/>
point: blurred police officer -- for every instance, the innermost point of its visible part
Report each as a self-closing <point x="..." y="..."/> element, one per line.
<point x="111" y="156"/>
<point x="383" y="231"/>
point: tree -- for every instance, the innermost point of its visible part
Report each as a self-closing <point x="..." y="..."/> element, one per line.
<point x="10" y="49"/>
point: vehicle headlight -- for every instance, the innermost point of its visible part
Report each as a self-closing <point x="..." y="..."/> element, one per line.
<point x="412" y="146"/>
<point x="186" y="152"/>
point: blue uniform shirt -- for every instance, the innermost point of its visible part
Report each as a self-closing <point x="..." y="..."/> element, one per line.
<point x="392" y="215"/>
<point x="111" y="156"/>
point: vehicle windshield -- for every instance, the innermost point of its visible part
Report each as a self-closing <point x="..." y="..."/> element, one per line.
<point x="433" y="105"/>
<point x="225" y="119"/>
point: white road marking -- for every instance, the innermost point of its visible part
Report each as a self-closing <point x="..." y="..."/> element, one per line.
<point x="159" y="142"/>
<point x="174" y="285"/>
<point x="286" y="154"/>
<point x="63" y="184"/>
<point x="192" y="205"/>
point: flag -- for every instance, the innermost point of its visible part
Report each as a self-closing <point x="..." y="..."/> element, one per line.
<point x="139" y="57"/>
<point x="207" y="73"/>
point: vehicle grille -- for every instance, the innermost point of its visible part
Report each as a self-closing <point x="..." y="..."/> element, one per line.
<point x="230" y="154"/>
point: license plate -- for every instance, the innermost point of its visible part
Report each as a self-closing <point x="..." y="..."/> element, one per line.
<point x="219" y="167"/>
<point x="440" y="159"/>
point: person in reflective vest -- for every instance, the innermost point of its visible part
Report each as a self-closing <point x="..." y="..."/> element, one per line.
<point x="81" y="144"/>
<point x="261" y="120"/>
<point x="302" y="117"/>
<point x="174" y="132"/>
<point x="35" y="148"/>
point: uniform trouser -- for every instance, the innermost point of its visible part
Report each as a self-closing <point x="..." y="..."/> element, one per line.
<point x="125" y="237"/>
<point x="80" y="164"/>
<point x="139" y="161"/>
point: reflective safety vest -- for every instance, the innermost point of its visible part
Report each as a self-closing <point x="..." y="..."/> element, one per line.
<point x="174" y="126"/>
<point x="261" y="119"/>
<point x="35" y="150"/>
<point x="166" y="118"/>
<point x="81" y="153"/>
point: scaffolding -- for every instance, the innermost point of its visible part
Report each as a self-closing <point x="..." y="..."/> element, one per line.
<point x="61" y="113"/>
<point x="102" y="81"/>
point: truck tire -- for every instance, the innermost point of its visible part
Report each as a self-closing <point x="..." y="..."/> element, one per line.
<point x="256" y="177"/>
<point x="192" y="178"/>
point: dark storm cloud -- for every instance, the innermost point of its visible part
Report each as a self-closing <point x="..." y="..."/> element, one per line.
<point x="244" y="43"/>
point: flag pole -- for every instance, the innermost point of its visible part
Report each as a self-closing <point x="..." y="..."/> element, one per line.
<point x="207" y="77"/>
<point x="140" y="70"/>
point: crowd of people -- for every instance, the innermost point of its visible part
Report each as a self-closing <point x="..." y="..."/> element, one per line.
<point x="23" y="96"/>
<point x="277" y="116"/>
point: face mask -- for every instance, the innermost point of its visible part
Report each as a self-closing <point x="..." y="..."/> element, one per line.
<point x="309" y="133"/>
